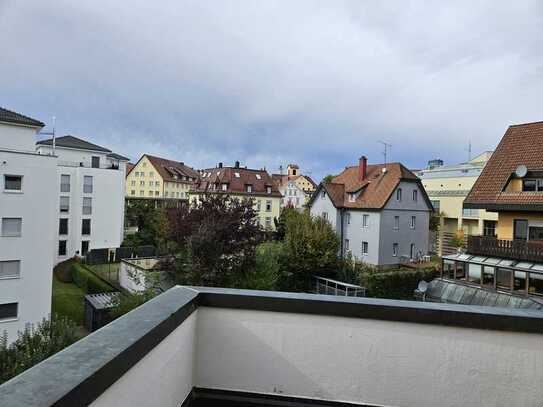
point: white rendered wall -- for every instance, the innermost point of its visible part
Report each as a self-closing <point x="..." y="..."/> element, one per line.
<point x="366" y="361"/>
<point x="320" y="205"/>
<point x="37" y="206"/>
<point x="164" y="377"/>
<point x="107" y="218"/>
<point x="16" y="137"/>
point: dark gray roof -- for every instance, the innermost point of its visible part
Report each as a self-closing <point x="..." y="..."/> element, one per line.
<point x="7" y="116"/>
<point x="73" y="142"/>
<point x="116" y="156"/>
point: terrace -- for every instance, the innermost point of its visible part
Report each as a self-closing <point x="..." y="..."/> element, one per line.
<point x="224" y="347"/>
<point x="513" y="249"/>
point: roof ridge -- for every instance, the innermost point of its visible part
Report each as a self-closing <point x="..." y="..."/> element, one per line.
<point x="23" y="117"/>
<point x="525" y="124"/>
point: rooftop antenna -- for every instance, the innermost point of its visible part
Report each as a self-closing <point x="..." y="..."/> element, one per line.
<point x="469" y="150"/>
<point x="51" y="133"/>
<point x="385" y="150"/>
<point x="281" y="169"/>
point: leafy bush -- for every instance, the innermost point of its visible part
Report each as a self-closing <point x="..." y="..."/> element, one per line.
<point x="127" y="302"/>
<point x="395" y="284"/>
<point x="88" y="281"/>
<point x="267" y="268"/>
<point x="34" y="344"/>
<point x="63" y="270"/>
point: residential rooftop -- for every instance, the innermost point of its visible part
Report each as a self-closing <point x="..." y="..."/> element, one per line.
<point x="194" y="346"/>
<point x="8" y="116"/>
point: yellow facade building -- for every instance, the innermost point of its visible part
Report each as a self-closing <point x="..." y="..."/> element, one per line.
<point x="447" y="186"/>
<point x="242" y="183"/>
<point x="158" y="178"/>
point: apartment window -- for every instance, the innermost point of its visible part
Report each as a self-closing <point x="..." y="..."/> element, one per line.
<point x="489" y="228"/>
<point x="151" y="183"/>
<point x="13" y="182"/>
<point x="258" y="206"/>
<point x="415" y="195"/>
<point x="87" y="184"/>
<point x="8" y="311"/>
<point x="133" y="183"/>
<point x="157" y="193"/>
<point x="413" y="222"/>
<point x="396" y="222"/>
<point x="224" y="187"/>
<point x="520" y="229"/>
<point x="142" y="192"/>
<point x="535" y="233"/>
<point x="268" y="206"/>
<point x="87" y="206"/>
<point x="62" y="247"/>
<point x="249" y="188"/>
<point x="157" y="183"/>
<point x="346" y="245"/>
<point x="84" y="247"/>
<point x="435" y="204"/>
<point x="364" y="248"/>
<point x="166" y="194"/>
<point x="95" y="162"/>
<point x="10" y="269"/>
<point x="86" y="227"/>
<point x="530" y="185"/>
<point x="151" y="173"/>
<point x="399" y="194"/>
<point x="470" y="213"/>
<point x="395" y="248"/>
<point x="137" y="174"/>
<point x="365" y="220"/>
<point x="63" y="226"/>
<point x="64" y="183"/>
<point x="325" y="215"/>
<point x="64" y="203"/>
<point x="150" y="193"/>
<point x="269" y="190"/>
<point x="12" y="227"/>
<point x="133" y="192"/>
<point x="348" y="218"/>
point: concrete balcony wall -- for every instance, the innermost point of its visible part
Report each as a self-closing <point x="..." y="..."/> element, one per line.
<point x="338" y="349"/>
<point x="366" y="360"/>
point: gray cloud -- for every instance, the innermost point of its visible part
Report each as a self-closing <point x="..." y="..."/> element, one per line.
<point x="314" y="82"/>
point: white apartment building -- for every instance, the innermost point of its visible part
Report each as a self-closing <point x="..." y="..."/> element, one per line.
<point x="28" y="207"/>
<point x="90" y="187"/>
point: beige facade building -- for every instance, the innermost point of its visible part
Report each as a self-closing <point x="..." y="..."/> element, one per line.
<point x="158" y="178"/>
<point x="295" y="187"/>
<point x="447" y="186"/>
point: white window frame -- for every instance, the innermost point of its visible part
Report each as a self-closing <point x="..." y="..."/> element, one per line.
<point x="86" y="189"/>
<point x="365" y="220"/>
<point x="395" y="249"/>
<point x="413" y="222"/>
<point x="14" y="191"/>
<point x="399" y="194"/>
<point x="66" y="190"/>
<point x="19" y="234"/>
<point x="415" y="195"/>
<point x="67" y="198"/>
<point x="11" y="318"/>
<point x="396" y="223"/>
<point x="365" y="248"/>
<point x="89" y="211"/>
<point x="17" y="274"/>
<point x="269" y="204"/>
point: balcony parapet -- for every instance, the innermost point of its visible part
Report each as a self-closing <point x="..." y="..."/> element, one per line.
<point x="510" y="249"/>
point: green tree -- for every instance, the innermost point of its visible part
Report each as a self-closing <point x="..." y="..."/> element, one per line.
<point x="152" y="224"/>
<point x="311" y="247"/>
<point x="327" y="179"/>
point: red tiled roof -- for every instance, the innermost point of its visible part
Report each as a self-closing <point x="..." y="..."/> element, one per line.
<point x="374" y="191"/>
<point x="521" y="145"/>
<point x="258" y="179"/>
<point x="172" y="171"/>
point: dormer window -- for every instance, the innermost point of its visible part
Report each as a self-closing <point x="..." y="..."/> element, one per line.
<point x="352" y="197"/>
<point x="249" y="188"/>
<point x="532" y="185"/>
<point x="269" y="189"/>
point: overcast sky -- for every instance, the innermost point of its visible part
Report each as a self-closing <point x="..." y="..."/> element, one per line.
<point x="318" y="83"/>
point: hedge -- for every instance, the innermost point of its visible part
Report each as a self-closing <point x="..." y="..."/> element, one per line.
<point x="395" y="284"/>
<point x="63" y="270"/>
<point x="88" y="281"/>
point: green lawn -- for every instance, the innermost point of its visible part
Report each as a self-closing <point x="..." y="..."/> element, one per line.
<point x="68" y="300"/>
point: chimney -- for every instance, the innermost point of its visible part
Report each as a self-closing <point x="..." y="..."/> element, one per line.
<point x="362" y="167"/>
<point x="220" y="165"/>
<point x="237" y="164"/>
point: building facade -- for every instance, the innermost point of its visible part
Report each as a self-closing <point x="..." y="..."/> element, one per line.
<point x="239" y="182"/>
<point x="158" y="178"/>
<point x="28" y="205"/>
<point x="380" y="212"/>
<point x="295" y="187"/>
<point x="447" y="186"/>
<point x="511" y="185"/>
<point x="90" y="188"/>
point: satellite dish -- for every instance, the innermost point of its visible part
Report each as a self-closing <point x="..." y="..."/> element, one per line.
<point x="521" y="171"/>
<point x="423" y="286"/>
